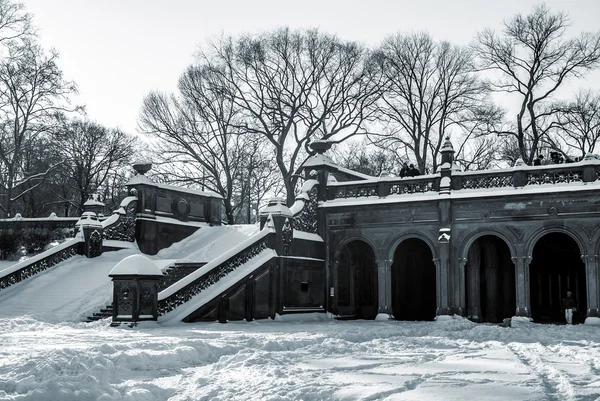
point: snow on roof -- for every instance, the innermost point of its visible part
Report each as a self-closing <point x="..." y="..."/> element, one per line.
<point x="142" y="179"/>
<point x="138" y="265"/>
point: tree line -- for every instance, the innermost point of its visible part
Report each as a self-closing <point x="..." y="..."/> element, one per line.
<point x="51" y="157"/>
<point x="246" y="111"/>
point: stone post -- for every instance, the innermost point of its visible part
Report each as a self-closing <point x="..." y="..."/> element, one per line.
<point x="445" y="234"/>
<point x="593" y="301"/>
<point x="135" y="290"/>
<point x="95" y="205"/>
<point x="91" y="229"/>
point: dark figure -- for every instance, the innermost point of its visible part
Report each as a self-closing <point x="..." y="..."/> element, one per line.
<point x="568" y="305"/>
<point x="556" y="157"/>
<point x="538" y="160"/>
<point x="404" y="170"/>
<point x="413" y="171"/>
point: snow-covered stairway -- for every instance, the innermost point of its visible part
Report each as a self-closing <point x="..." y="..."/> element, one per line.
<point x="220" y="289"/>
<point x="281" y="269"/>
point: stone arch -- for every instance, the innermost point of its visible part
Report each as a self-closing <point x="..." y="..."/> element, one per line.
<point x="413" y="277"/>
<point x="575" y="234"/>
<point x="357" y="278"/>
<point x="555" y="266"/>
<point x="408" y="235"/>
<point x="341" y="243"/>
<point x="489" y="277"/>
<point x="501" y="232"/>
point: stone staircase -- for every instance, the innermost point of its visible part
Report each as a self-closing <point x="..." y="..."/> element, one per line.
<point x="172" y="274"/>
<point x="103" y="314"/>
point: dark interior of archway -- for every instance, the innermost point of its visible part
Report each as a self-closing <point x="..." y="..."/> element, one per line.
<point x="357" y="280"/>
<point x="490" y="281"/>
<point x="556" y="268"/>
<point x="413" y="281"/>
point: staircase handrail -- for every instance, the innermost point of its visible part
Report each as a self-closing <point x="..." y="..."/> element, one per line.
<point x="183" y="290"/>
<point x="38" y="263"/>
<point x="115" y="228"/>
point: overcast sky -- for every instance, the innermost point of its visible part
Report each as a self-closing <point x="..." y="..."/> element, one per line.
<point x="119" y="50"/>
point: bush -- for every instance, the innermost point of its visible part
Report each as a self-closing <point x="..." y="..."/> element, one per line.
<point x="10" y="242"/>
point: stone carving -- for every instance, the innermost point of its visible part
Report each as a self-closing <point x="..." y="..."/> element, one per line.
<point x="357" y="191"/>
<point x="487" y="182"/>
<point x="306" y="220"/>
<point x="146" y="298"/>
<point x="589" y="229"/>
<point x="124" y="228"/>
<point x="552" y="211"/>
<point x="125" y="300"/>
<point x="286" y="236"/>
<point x="38" y="266"/>
<point x="95" y="244"/>
<point x="209" y="278"/>
<point x="517" y="231"/>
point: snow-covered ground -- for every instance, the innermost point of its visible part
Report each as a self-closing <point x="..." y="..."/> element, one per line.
<point x="298" y="360"/>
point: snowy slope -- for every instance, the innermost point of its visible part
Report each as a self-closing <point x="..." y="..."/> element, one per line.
<point x="66" y="292"/>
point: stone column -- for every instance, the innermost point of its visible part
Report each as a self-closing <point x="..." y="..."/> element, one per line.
<point x="135" y="290"/>
<point x="592" y="285"/>
<point x="522" y="285"/>
<point x="384" y="289"/>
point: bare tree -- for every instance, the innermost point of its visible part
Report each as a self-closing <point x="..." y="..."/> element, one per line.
<point x="199" y="139"/>
<point x="295" y="87"/>
<point x="431" y="91"/>
<point x="91" y="156"/>
<point x="32" y="94"/>
<point x="576" y="125"/>
<point x="533" y="60"/>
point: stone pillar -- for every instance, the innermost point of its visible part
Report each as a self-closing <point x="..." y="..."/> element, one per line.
<point x="384" y="286"/>
<point x="91" y="229"/>
<point x="135" y="290"/>
<point x="522" y="285"/>
<point x="95" y="205"/>
<point x="593" y="283"/>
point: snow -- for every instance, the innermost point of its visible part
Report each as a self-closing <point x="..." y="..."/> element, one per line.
<point x="76" y="288"/>
<point x="67" y="292"/>
<point x="300" y="357"/>
<point x="138" y="265"/>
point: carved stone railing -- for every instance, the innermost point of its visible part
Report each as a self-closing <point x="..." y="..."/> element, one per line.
<point x="45" y="260"/>
<point x="484" y="180"/>
<point x="557" y="175"/>
<point x="121" y="225"/>
<point x="305" y="209"/>
<point x="190" y="286"/>
<point x="515" y="177"/>
<point x="410" y="186"/>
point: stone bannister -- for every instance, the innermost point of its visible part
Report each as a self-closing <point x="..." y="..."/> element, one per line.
<point x="39" y="263"/>
<point x="214" y="271"/>
<point x="519" y="176"/>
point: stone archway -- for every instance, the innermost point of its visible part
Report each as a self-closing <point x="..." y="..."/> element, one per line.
<point x="357" y="281"/>
<point x="489" y="280"/>
<point x="556" y="267"/>
<point x="413" y="281"/>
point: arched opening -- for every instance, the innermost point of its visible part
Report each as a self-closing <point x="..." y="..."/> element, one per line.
<point x="490" y="281"/>
<point x="556" y="267"/>
<point x="357" y="281"/>
<point x="413" y="281"/>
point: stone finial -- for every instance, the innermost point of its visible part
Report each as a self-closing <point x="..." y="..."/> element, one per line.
<point x="447" y="152"/>
<point x="320" y="146"/>
<point x="142" y="168"/>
